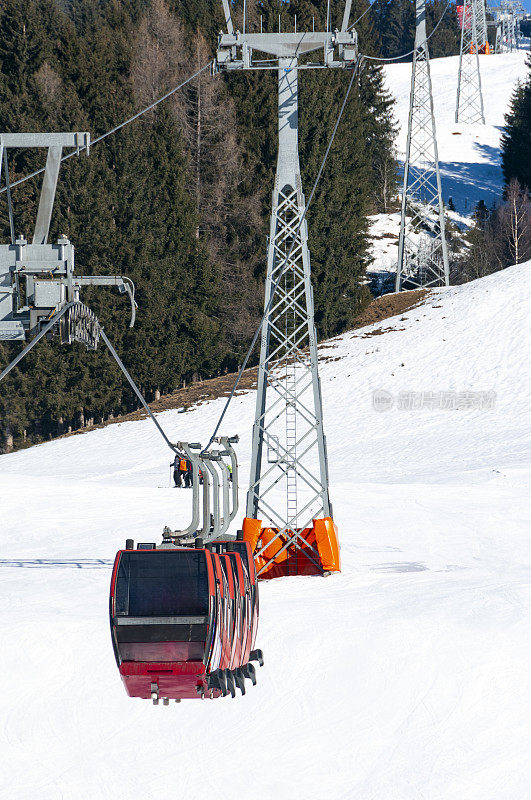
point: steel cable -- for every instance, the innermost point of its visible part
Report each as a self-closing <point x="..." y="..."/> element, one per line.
<point x="404" y="55"/>
<point x="113" y="352"/>
<point x="53" y="321"/>
<point x="117" y="127"/>
<point x="136" y="389"/>
<point x="360" y="17"/>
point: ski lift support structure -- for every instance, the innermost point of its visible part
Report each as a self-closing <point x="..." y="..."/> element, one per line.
<point x="37" y="279"/>
<point x="299" y="536"/>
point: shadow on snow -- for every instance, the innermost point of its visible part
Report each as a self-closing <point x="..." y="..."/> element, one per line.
<point x="61" y="563"/>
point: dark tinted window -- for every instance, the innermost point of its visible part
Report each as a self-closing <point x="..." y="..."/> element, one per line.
<point x="153" y="584"/>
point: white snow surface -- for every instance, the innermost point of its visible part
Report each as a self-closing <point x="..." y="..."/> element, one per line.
<point x="405" y="677"/>
<point x="469" y="155"/>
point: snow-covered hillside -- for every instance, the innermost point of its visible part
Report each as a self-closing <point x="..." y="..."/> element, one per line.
<point x="406" y="676"/>
<point x="469" y="155"/>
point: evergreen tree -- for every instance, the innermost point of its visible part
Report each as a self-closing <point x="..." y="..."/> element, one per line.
<point x="516" y="141"/>
<point x="395" y="23"/>
<point x="126" y="208"/>
<point x="446" y="39"/>
<point x="396" y="26"/>
<point x="180" y="199"/>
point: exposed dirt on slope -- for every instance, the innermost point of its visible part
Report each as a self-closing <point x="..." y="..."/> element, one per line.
<point x="389" y="305"/>
<point x="185" y="398"/>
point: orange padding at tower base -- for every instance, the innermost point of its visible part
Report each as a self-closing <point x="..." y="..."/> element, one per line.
<point x="272" y="563"/>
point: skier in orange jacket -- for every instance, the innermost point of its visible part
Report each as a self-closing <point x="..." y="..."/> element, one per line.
<point x="179" y="470"/>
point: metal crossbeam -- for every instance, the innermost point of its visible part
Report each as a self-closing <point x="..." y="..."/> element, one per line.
<point x="422" y="252"/>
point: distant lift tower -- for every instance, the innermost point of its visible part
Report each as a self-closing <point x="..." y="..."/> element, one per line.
<point x="289" y="516"/>
<point x="508" y="15"/>
<point x="469" y="101"/>
<point x="422" y="251"/>
<point x="482" y="31"/>
<point x="37" y="280"/>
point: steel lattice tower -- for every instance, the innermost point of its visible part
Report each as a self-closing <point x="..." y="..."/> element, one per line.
<point x="288" y="420"/>
<point x="288" y="487"/>
<point x="422" y="252"/>
<point x="481" y="29"/>
<point x="508" y="43"/>
<point x="469" y="101"/>
<point x="508" y="15"/>
<point x="498" y="44"/>
<point x="507" y="31"/>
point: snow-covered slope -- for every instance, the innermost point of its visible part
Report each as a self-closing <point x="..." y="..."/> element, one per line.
<point x="469" y="155"/>
<point x="405" y="677"/>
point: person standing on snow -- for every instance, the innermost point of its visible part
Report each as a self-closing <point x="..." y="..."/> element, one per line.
<point x="179" y="470"/>
<point x="176" y="473"/>
<point x="188" y="475"/>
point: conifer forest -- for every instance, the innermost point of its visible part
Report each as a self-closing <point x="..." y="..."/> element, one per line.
<point x="179" y="200"/>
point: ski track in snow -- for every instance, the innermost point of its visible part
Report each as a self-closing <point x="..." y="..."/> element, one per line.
<point x="406" y="677"/>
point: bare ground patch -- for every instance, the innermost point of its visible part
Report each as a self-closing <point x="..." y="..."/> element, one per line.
<point x="390" y="305"/>
<point x="196" y="394"/>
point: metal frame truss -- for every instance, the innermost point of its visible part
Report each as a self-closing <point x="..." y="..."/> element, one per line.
<point x="289" y="468"/>
<point x="508" y="15"/>
<point x="288" y="448"/>
<point x="469" y="102"/>
<point x="481" y="27"/>
<point x="422" y="251"/>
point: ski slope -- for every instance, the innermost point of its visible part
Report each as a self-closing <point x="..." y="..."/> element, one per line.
<point x="469" y="155"/>
<point x="407" y="676"/>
